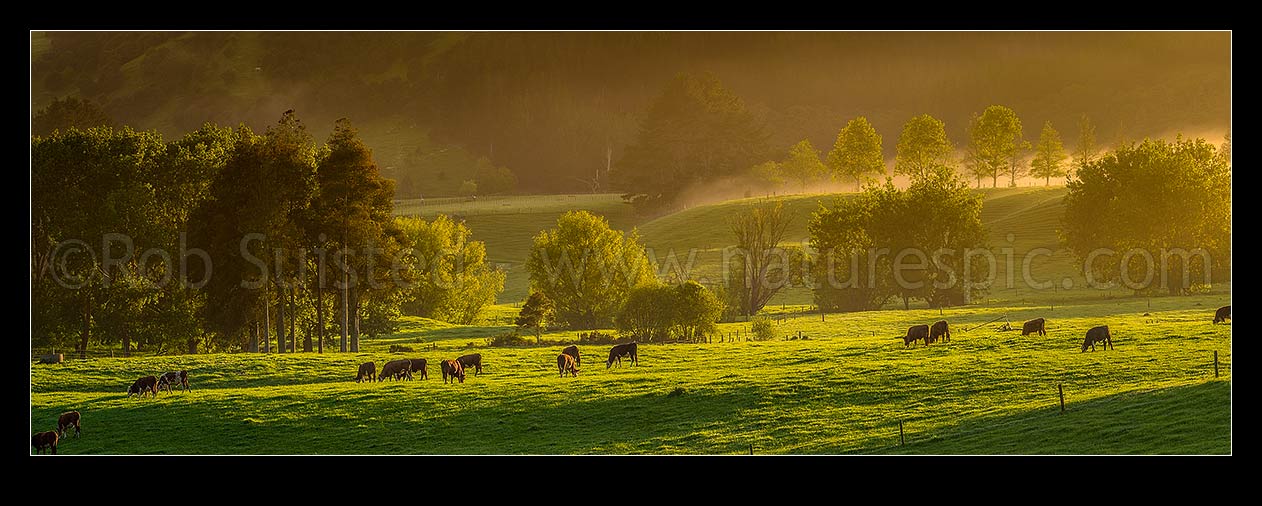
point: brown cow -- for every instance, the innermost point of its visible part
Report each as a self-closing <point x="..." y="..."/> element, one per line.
<point x="420" y="365"/>
<point x="367" y="372"/>
<point x="143" y="386"/>
<point x="623" y="350"/>
<point x="1038" y="325"/>
<point x="1098" y="335"/>
<point x="939" y="329"/>
<point x="45" y="440"/>
<point x="452" y="369"/>
<point x="916" y="333"/>
<point x="472" y="359"/>
<point x="565" y="363"/>
<point x="396" y="369"/>
<point x="67" y="420"/>
<point x="177" y="377"/>
<point x="1223" y="314"/>
<point x="572" y="351"/>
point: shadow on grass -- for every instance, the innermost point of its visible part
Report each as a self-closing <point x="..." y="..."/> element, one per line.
<point x="1186" y="419"/>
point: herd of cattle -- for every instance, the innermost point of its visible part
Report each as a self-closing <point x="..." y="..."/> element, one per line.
<point x="568" y="362"/>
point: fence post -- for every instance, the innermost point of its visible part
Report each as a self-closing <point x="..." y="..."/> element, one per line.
<point x="751" y="449"/>
<point x="1215" y="363"/>
<point x="901" y="440"/>
<point x="1061" y="388"/>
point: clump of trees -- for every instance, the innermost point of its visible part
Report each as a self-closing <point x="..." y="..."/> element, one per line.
<point x="1153" y="216"/>
<point x="910" y="244"/>
<point x="587" y="269"/>
<point x="453" y="281"/>
<point x="658" y="312"/>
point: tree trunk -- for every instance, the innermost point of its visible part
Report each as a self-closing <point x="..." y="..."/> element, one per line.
<point x="320" y="305"/>
<point x="345" y="310"/>
<point x="355" y="320"/>
<point x="538" y="334"/>
<point x="267" y="321"/>
<point x="126" y="342"/>
<point x="280" y="319"/>
<point x="254" y="337"/>
<point x="192" y="346"/>
<point x="293" y="319"/>
<point x="87" y="325"/>
<point x="906" y="304"/>
<point x="994" y="181"/>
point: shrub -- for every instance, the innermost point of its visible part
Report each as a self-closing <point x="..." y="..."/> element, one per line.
<point x="398" y="348"/>
<point x="509" y="339"/>
<point x="761" y="329"/>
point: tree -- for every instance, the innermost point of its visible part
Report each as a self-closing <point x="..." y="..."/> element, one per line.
<point x="923" y="147"/>
<point x="537" y="313"/>
<point x="909" y="244"/>
<point x="351" y="221"/>
<point x="1086" y="150"/>
<point x="468" y="188"/>
<point x="492" y="180"/>
<point x="1225" y="150"/>
<point x="857" y="152"/>
<point x="697" y="309"/>
<point x="803" y="164"/>
<point x="995" y="143"/>
<point x="586" y="268"/>
<point x="656" y="312"/>
<point x="67" y="113"/>
<point x="450" y="276"/>
<point x="1049" y="157"/>
<point x="696" y="130"/>
<point x="768" y="172"/>
<point x="1122" y="201"/>
<point x="757" y="266"/>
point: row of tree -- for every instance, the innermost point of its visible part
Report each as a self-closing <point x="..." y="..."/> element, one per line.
<point x="226" y="238"/>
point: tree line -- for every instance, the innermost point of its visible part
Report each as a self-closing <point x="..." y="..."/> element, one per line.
<point x="230" y="240"/>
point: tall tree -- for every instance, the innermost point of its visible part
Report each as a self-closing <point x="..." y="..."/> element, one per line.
<point x="1122" y="202"/>
<point x="857" y="152"/>
<point x="1086" y="150"/>
<point x="995" y="143"/>
<point x="923" y="147"/>
<point x="537" y="313"/>
<point x="587" y="268"/>
<point x="696" y="130"/>
<point x="351" y="217"/>
<point x="452" y="280"/>
<point x="1049" y="156"/>
<point x="803" y="164"/>
<point x="757" y="266"/>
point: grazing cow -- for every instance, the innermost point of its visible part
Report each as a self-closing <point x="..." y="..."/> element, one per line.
<point x="565" y="363"/>
<point x="1098" y="335"/>
<point x="396" y="369"/>
<point x="367" y="372"/>
<point x="66" y="421"/>
<point x="452" y="369"/>
<point x="177" y="377"/>
<point x="622" y="350"/>
<point x="472" y="359"/>
<point x="1223" y="314"/>
<point x="1038" y="325"/>
<point x="420" y="365"/>
<point x="45" y="440"/>
<point x="143" y="386"/>
<point x="940" y="329"/>
<point x="572" y="351"/>
<point x="916" y="333"/>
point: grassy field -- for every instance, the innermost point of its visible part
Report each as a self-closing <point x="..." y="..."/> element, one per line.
<point x="841" y="391"/>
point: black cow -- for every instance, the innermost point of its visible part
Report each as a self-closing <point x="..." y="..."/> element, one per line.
<point x="572" y="351"/>
<point x="939" y="330"/>
<point x="452" y="369"/>
<point x="44" y="440"/>
<point x="916" y="333"/>
<point x="472" y="359"/>
<point x="396" y="369"/>
<point x="143" y="386"/>
<point x="622" y="350"/>
<point x="1038" y="325"/>
<point x="66" y="421"/>
<point x="176" y="377"/>
<point x="1098" y="335"/>
<point x="1223" y="314"/>
<point x="565" y="363"/>
<point x="367" y="372"/>
<point x="420" y="365"/>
